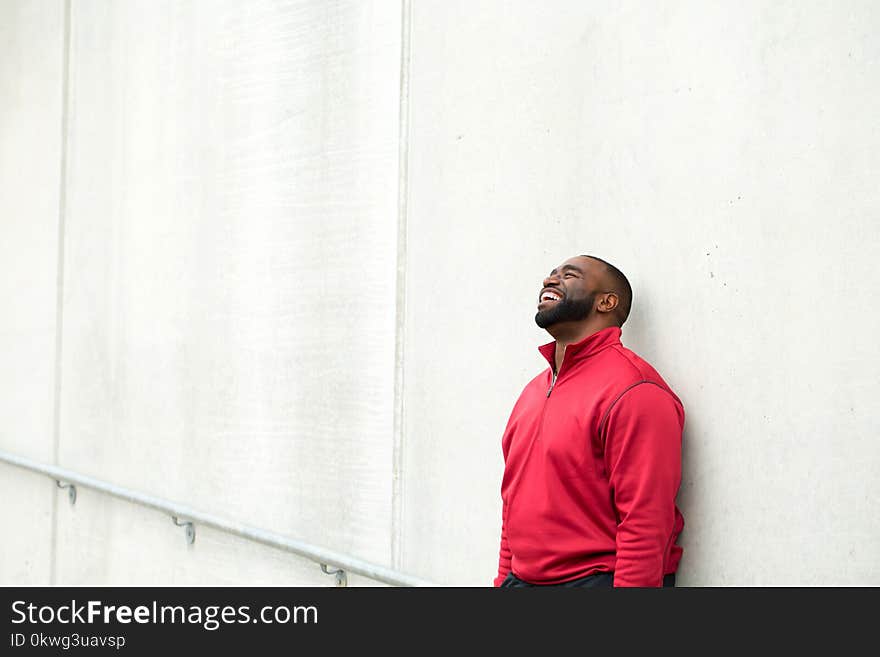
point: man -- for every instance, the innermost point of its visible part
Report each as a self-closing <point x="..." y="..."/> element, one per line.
<point x="592" y="449"/>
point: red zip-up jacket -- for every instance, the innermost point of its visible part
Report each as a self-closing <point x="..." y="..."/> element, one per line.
<point x="592" y="466"/>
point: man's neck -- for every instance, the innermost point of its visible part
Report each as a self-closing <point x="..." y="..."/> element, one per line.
<point x="567" y="333"/>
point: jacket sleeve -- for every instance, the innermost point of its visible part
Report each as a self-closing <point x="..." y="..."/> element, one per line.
<point x="504" y="552"/>
<point x="643" y="459"/>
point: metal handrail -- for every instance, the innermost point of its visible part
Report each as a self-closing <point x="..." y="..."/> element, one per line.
<point x="319" y="555"/>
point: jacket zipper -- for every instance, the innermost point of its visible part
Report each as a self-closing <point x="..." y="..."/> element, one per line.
<point x="552" y="383"/>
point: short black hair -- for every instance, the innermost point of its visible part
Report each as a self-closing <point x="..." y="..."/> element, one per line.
<point x="621" y="287"/>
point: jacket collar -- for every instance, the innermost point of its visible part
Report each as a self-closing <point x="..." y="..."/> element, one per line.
<point x="585" y="348"/>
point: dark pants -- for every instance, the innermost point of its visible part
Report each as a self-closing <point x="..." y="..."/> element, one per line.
<point x="596" y="580"/>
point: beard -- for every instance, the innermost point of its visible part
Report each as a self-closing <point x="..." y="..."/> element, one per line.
<point x="566" y="310"/>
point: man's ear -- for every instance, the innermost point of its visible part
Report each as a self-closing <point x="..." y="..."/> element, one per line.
<point x="608" y="302"/>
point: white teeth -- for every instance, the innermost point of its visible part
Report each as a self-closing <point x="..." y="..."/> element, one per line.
<point x="549" y="296"/>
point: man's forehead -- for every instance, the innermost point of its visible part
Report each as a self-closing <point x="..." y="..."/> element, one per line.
<point x="582" y="263"/>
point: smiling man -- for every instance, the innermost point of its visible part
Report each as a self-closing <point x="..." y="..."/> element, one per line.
<point x="592" y="449"/>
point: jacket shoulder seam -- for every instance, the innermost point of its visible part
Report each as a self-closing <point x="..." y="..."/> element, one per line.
<point x="616" y="399"/>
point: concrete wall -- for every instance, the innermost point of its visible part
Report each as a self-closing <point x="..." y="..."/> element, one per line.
<point x="301" y="244"/>
<point x="31" y="102"/>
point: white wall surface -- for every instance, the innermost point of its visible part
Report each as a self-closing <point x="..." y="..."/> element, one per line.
<point x="230" y="231"/>
<point x="31" y="83"/>
<point x="230" y="271"/>
<point x="725" y="157"/>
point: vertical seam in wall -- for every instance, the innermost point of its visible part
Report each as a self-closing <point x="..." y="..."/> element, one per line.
<point x="59" y="299"/>
<point x="397" y="492"/>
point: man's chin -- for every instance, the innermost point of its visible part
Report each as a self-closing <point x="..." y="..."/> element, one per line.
<point x="547" y="320"/>
<point x="543" y="321"/>
<point x="567" y="310"/>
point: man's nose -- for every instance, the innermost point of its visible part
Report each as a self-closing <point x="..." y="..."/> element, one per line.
<point x="551" y="279"/>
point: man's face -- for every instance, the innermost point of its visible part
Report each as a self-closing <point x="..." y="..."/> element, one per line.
<point x="567" y="294"/>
